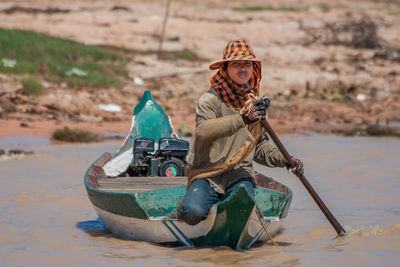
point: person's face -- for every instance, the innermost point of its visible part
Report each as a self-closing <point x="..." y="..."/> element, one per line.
<point x="240" y="71"/>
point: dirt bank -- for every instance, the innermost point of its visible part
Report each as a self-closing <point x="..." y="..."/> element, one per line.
<point x="318" y="72"/>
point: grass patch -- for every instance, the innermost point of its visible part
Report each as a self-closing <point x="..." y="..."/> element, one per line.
<point x="268" y="8"/>
<point x="339" y="6"/>
<point x="32" y="87"/>
<point x="75" y="136"/>
<point x="54" y="59"/>
<point x="185" y="54"/>
<point x="390" y="8"/>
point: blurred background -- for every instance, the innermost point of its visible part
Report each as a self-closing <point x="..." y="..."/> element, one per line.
<point x="327" y="66"/>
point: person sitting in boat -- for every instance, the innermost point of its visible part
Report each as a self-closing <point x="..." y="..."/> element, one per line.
<point x="229" y="135"/>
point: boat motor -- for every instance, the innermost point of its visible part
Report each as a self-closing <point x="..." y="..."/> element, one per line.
<point x="168" y="160"/>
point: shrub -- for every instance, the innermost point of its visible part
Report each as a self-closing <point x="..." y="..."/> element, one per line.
<point x="75" y="136"/>
<point x="268" y="8"/>
<point x="185" y="54"/>
<point x="32" y="87"/>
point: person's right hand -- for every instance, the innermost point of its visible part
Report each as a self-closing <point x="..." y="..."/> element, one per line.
<point x="261" y="106"/>
<point x="257" y="111"/>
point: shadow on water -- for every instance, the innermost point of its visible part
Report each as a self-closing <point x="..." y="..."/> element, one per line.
<point x="95" y="228"/>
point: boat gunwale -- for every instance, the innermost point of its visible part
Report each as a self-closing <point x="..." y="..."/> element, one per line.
<point x="96" y="169"/>
<point x="260" y="179"/>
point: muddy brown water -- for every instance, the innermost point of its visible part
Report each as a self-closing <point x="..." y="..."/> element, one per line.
<point x="47" y="219"/>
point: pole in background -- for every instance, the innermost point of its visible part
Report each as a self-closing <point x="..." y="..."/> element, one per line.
<point x="163" y="29"/>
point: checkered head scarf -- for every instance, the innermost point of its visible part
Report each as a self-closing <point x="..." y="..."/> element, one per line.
<point x="231" y="93"/>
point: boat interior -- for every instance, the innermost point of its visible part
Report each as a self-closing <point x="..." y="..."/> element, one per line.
<point x="97" y="178"/>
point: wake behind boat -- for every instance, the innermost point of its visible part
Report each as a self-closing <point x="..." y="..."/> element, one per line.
<point x="136" y="191"/>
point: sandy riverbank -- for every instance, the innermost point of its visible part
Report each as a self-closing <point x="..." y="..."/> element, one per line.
<point x="316" y="83"/>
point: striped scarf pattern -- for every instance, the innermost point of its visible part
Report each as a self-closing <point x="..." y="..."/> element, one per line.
<point x="233" y="94"/>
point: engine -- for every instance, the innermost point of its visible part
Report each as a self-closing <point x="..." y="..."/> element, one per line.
<point x="168" y="160"/>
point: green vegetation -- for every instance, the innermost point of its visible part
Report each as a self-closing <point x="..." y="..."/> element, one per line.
<point x="184" y="131"/>
<point x="32" y="87"/>
<point x="59" y="60"/>
<point x="392" y="8"/>
<point x="185" y="54"/>
<point x="268" y="8"/>
<point x="323" y="6"/>
<point x="75" y="136"/>
<point x="339" y="6"/>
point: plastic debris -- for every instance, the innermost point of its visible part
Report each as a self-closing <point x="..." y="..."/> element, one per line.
<point x="110" y="107"/>
<point x="9" y="63"/>
<point x="76" y="72"/>
<point x="43" y="108"/>
<point x="361" y="97"/>
<point x="138" y="81"/>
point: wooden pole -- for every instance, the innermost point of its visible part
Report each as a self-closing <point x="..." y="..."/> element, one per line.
<point x="339" y="229"/>
<point x="163" y="29"/>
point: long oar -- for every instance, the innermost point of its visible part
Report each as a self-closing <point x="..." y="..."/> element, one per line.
<point x="339" y="229"/>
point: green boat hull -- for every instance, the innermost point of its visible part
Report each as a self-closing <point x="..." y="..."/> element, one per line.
<point x="151" y="216"/>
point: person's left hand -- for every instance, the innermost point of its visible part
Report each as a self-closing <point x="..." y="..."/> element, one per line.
<point x="298" y="170"/>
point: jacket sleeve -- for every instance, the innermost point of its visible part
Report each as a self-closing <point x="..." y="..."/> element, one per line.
<point x="267" y="154"/>
<point x="209" y="125"/>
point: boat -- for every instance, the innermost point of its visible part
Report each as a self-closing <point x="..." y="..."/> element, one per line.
<point x="138" y="200"/>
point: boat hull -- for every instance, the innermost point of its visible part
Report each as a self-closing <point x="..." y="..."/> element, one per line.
<point x="169" y="231"/>
<point x="151" y="215"/>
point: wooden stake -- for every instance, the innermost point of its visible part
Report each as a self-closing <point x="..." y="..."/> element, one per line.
<point x="163" y="29"/>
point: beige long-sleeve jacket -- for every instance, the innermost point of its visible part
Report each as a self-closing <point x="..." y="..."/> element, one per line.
<point x="224" y="147"/>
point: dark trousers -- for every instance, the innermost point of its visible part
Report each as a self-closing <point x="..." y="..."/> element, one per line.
<point x="200" y="196"/>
